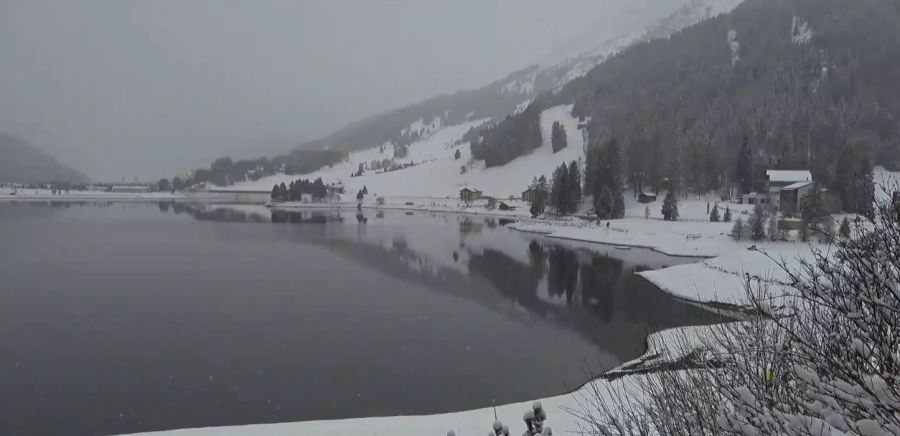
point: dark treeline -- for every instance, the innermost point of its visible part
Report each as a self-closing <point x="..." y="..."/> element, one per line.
<point x="565" y="193"/>
<point x="515" y="136"/>
<point x="776" y="84"/>
<point x="296" y="189"/>
<point x="224" y="171"/>
<point x="558" y="138"/>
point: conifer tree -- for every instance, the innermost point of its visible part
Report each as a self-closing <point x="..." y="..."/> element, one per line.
<point x="812" y="207"/>
<point x="574" y="186"/>
<point x="614" y="179"/>
<point x="670" y="206"/>
<point x="603" y="203"/>
<point x="757" y="223"/>
<point x="558" y="138"/>
<point x="559" y="192"/>
<point x="744" y="168"/>
<point x="727" y="216"/>
<point x="540" y="193"/>
<point x="845" y="228"/>
<point x="866" y="196"/>
<point x="714" y="214"/>
<point x="773" y="227"/>
<point x="737" y="231"/>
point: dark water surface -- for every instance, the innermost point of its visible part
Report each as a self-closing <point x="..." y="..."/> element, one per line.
<point x="125" y="317"/>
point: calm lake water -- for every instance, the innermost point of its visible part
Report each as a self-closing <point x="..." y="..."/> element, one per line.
<point x="126" y="317"/>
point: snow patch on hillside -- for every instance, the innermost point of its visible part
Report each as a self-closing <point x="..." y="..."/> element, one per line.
<point x="422" y="128"/>
<point x="735" y="46"/>
<point x="524" y="85"/>
<point x="434" y="171"/>
<point x="801" y="32"/>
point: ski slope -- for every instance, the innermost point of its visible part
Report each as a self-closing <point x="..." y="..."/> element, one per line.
<point x="436" y="173"/>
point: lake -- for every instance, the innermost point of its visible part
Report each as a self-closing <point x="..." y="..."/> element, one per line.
<point x="127" y="317"/>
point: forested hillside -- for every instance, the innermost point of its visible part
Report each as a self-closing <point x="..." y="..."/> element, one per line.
<point x="21" y="162"/>
<point x="804" y="83"/>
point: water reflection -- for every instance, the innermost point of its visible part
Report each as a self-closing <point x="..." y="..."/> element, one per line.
<point x="590" y="289"/>
<point x="183" y="319"/>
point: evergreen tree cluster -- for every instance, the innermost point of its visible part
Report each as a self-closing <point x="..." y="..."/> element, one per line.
<point x="558" y="138"/>
<point x="295" y="190"/>
<point x="854" y="182"/>
<point x="224" y="171"/>
<point x="513" y="137"/>
<point x="603" y="180"/>
<point x="692" y="108"/>
<point x="540" y="196"/>
<point x="565" y="193"/>
<point x="812" y="208"/>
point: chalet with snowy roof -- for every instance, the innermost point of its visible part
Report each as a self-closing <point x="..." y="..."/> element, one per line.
<point x="469" y="195"/>
<point x="646" y="197"/>
<point x="786" y="189"/>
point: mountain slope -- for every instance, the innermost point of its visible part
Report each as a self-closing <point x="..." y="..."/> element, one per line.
<point x="431" y="168"/>
<point x="806" y="83"/>
<point x="21" y="162"/>
<point x="392" y="133"/>
<point x="409" y="124"/>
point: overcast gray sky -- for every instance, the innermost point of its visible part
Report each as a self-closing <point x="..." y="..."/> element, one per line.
<point x="151" y="88"/>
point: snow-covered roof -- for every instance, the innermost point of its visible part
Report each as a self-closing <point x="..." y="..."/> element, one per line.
<point x="789" y="176"/>
<point x="797" y="185"/>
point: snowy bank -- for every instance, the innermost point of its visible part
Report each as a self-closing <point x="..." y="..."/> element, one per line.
<point x="723" y="279"/>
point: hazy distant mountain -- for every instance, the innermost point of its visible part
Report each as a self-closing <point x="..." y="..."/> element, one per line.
<point x="21" y="162"/>
<point x="509" y="94"/>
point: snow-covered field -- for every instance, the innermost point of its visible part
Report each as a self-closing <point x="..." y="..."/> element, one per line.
<point x="693" y="235"/>
<point x="436" y="174"/>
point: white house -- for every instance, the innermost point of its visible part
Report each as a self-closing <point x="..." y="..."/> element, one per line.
<point x="130" y="188"/>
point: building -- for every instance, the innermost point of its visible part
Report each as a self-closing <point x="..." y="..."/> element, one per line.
<point x="526" y="195"/>
<point x="776" y="180"/>
<point x="790" y="197"/>
<point x="130" y="188"/>
<point x="755" y="198"/>
<point x="646" y="197"/>
<point x="469" y="195"/>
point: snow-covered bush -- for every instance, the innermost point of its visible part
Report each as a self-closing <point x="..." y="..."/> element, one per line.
<point x="821" y="356"/>
<point x="737" y="231"/>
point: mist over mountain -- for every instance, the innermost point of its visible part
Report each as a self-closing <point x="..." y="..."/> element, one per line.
<point x="570" y="60"/>
<point x="21" y="162"/>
